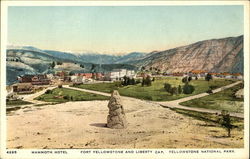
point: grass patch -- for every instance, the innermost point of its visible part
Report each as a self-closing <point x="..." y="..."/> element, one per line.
<point x="61" y="95"/>
<point x="156" y="91"/>
<point x="17" y="102"/>
<point x="209" y="117"/>
<point x="224" y="100"/>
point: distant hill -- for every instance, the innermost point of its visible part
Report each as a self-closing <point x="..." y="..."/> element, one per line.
<point x="30" y="60"/>
<point x="216" y="55"/>
<point x="96" y="58"/>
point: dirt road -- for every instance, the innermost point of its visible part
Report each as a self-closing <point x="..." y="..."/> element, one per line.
<point x="31" y="97"/>
<point x="174" y="103"/>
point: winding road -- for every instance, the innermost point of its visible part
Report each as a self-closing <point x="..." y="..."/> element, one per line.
<point x="176" y="103"/>
<point x="167" y="104"/>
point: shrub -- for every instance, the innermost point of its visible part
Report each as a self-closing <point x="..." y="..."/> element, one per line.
<point x="66" y="97"/>
<point x="226" y="122"/>
<point x="173" y="90"/>
<point x="48" y="91"/>
<point x="188" y="89"/>
<point x="213" y="87"/>
<point x="196" y="78"/>
<point x="118" y="83"/>
<point x="138" y="81"/>
<point x="209" y="91"/>
<point x="148" y="98"/>
<point x="132" y="81"/>
<point x="60" y="86"/>
<point x="167" y="87"/>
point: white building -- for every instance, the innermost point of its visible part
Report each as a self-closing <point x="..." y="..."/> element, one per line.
<point x="77" y="79"/>
<point x="118" y="74"/>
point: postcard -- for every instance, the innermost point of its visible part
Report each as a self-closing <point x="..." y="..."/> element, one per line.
<point x="124" y="79"/>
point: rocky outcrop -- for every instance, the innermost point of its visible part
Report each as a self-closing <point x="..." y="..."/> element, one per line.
<point x="116" y="118"/>
<point x="216" y="55"/>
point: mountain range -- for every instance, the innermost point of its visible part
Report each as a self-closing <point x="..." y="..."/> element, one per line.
<point x="215" y="55"/>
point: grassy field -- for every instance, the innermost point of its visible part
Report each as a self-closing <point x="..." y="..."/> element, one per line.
<point x="237" y="123"/>
<point x="156" y="92"/>
<point x="17" y="102"/>
<point x="224" y="100"/>
<point x="61" y="95"/>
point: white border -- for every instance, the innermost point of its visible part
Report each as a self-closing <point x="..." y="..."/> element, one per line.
<point x="239" y="153"/>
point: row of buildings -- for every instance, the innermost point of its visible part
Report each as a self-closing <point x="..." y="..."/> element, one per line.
<point x="28" y="83"/>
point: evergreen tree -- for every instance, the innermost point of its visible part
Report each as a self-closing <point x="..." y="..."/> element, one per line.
<point x="208" y="77"/>
<point x="179" y="89"/>
<point x="167" y="87"/>
<point x="148" y="81"/>
<point x="53" y="64"/>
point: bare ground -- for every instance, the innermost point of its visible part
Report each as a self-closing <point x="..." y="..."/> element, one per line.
<point x="83" y="125"/>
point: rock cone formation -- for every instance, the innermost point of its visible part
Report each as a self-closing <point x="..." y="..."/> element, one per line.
<point x="116" y="118"/>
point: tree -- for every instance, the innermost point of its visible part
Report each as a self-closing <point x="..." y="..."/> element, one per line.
<point x="185" y="79"/>
<point x="148" y="81"/>
<point x="226" y="122"/>
<point x="189" y="78"/>
<point x="167" y="87"/>
<point x="188" y="89"/>
<point x="93" y="67"/>
<point x="125" y="81"/>
<point x="71" y="73"/>
<point x="81" y="65"/>
<point x="142" y="68"/>
<point x="59" y="63"/>
<point x="208" y="77"/>
<point x="173" y="90"/>
<point x="143" y="82"/>
<point x="53" y="64"/>
<point x="179" y="89"/>
<point x="128" y="81"/>
<point x="133" y="81"/>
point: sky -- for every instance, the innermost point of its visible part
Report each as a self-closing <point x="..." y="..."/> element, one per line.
<point x="123" y="29"/>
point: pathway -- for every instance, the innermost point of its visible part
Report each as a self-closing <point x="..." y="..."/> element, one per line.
<point x="175" y="103"/>
<point x="31" y="97"/>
